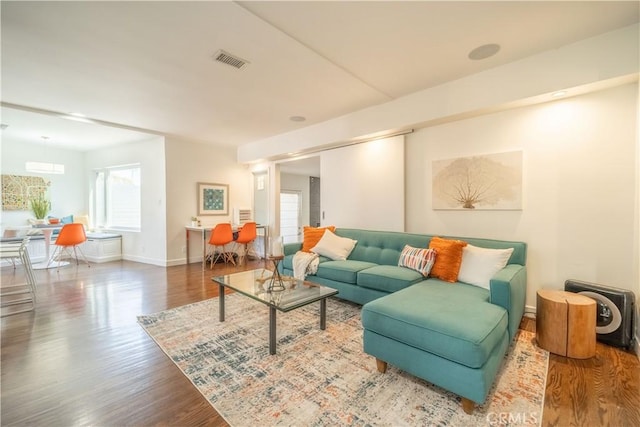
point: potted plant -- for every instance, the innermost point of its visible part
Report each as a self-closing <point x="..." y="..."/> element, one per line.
<point x="40" y="207"/>
<point x="194" y="221"/>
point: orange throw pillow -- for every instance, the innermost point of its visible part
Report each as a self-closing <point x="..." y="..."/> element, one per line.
<point x="448" y="258"/>
<point x="312" y="236"/>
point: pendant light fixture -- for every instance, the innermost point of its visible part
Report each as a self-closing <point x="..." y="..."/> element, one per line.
<point x="45" y="167"/>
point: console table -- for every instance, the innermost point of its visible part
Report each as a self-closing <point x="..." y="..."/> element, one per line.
<point x="206" y="230"/>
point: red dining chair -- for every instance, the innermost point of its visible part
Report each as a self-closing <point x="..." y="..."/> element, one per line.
<point x="221" y="236"/>
<point x="70" y="236"/>
<point x="246" y="235"/>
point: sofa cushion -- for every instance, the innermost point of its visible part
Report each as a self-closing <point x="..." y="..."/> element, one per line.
<point x="335" y="247"/>
<point x="480" y="264"/>
<point x="381" y="247"/>
<point x="66" y="219"/>
<point x="342" y="271"/>
<point x="312" y="236"/>
<point x="454" y="322"/>
<point x="448" y="258"/>
<point x="287" y="262"/>
<point x="388" y="278"/>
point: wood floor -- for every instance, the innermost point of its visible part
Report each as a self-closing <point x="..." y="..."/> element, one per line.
<point x="81" y="358"/>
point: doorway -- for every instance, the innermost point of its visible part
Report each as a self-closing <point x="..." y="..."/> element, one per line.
<point x="314" y="201"/>
<point x="290" y="216"/>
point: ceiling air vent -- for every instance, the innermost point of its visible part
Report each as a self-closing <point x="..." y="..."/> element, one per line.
<point x="229" y="59"/>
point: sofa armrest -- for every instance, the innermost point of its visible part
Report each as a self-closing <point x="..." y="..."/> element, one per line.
<point x="292" y="248"/>
<point x="509" y="290"/>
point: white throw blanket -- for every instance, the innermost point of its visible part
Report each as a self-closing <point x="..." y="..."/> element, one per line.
<point x="304" y="263"/>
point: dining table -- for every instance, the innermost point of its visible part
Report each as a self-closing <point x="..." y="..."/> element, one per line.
<point x="47" y="232"/>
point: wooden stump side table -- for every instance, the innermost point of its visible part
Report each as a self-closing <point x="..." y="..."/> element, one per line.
<point x="566" y="323"/>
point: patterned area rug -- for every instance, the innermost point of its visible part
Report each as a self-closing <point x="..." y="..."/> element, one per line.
<point x="323" y="377"/>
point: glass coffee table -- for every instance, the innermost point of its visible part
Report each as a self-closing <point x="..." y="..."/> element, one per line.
<point x="296" y="294"/>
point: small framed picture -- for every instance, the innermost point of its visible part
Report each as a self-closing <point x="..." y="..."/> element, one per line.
<point x="213" y="199"/>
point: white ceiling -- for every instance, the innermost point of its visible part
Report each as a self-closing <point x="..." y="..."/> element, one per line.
<point x="64" y="133"/>
<point x="148" y="65"/>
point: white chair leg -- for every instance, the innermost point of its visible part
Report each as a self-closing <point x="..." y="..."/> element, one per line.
<point x="216" y="256"/>
<point x="84" y="258"/>
<point x="228" y="256"/>
<point x="247" y="248"/>
<point x="243" y="259"/>
<point x="62" y="250"/>
<point x="56" y="251"/>
<point x="225" y="255"/>
<point x="56" y="256"/>
<point x="245" y="251"/>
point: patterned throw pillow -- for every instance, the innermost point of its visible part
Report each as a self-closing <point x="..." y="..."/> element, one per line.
<point x="449" y="258"/>
<point x="312" y="236"/>
<point x="419" y="259"/>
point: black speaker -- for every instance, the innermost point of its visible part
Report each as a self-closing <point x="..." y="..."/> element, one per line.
<point x="614" y="317"/>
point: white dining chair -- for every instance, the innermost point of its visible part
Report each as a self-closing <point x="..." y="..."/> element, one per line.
<point x="23" y="293"/>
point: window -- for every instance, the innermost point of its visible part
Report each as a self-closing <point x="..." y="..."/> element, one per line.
<point x="118" y="197"/>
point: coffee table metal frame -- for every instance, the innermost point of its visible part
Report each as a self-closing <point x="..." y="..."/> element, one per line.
<point x="297" y="293"/>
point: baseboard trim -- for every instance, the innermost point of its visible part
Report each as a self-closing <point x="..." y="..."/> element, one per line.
<point x="99" y="260"/>
<point x="174" y="262"/>
<point x="183" y="261"/>
<point x="530" y="311"/>
<point x="143" y="260"/>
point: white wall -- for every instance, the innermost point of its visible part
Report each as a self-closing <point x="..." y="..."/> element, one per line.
<point x="150" y="244"/>
<point x="66" y="191"/>
<point x="188" y="163"/>
<point x="579" y="185"/>
<point x="363" y="185"/>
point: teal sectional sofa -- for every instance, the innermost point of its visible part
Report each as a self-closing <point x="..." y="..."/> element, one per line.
<point x="454" y="335"/>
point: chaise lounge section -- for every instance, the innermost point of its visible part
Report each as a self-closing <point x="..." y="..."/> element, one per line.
<point x="454" y="335"/>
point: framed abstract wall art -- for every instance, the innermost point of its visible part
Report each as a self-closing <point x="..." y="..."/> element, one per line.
<point x="213" y="199"/>
<point x="17" y="191"/>
<point x="487" y="182"/>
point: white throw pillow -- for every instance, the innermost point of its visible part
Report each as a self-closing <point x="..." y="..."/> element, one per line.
<point x="480" y="264"/>
<point x="335" y="247"/>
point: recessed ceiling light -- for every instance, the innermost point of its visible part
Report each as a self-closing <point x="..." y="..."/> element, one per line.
<point x="559" y="93"/>
<point x="483" y="52"/>
<point x="297" y="118"/>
